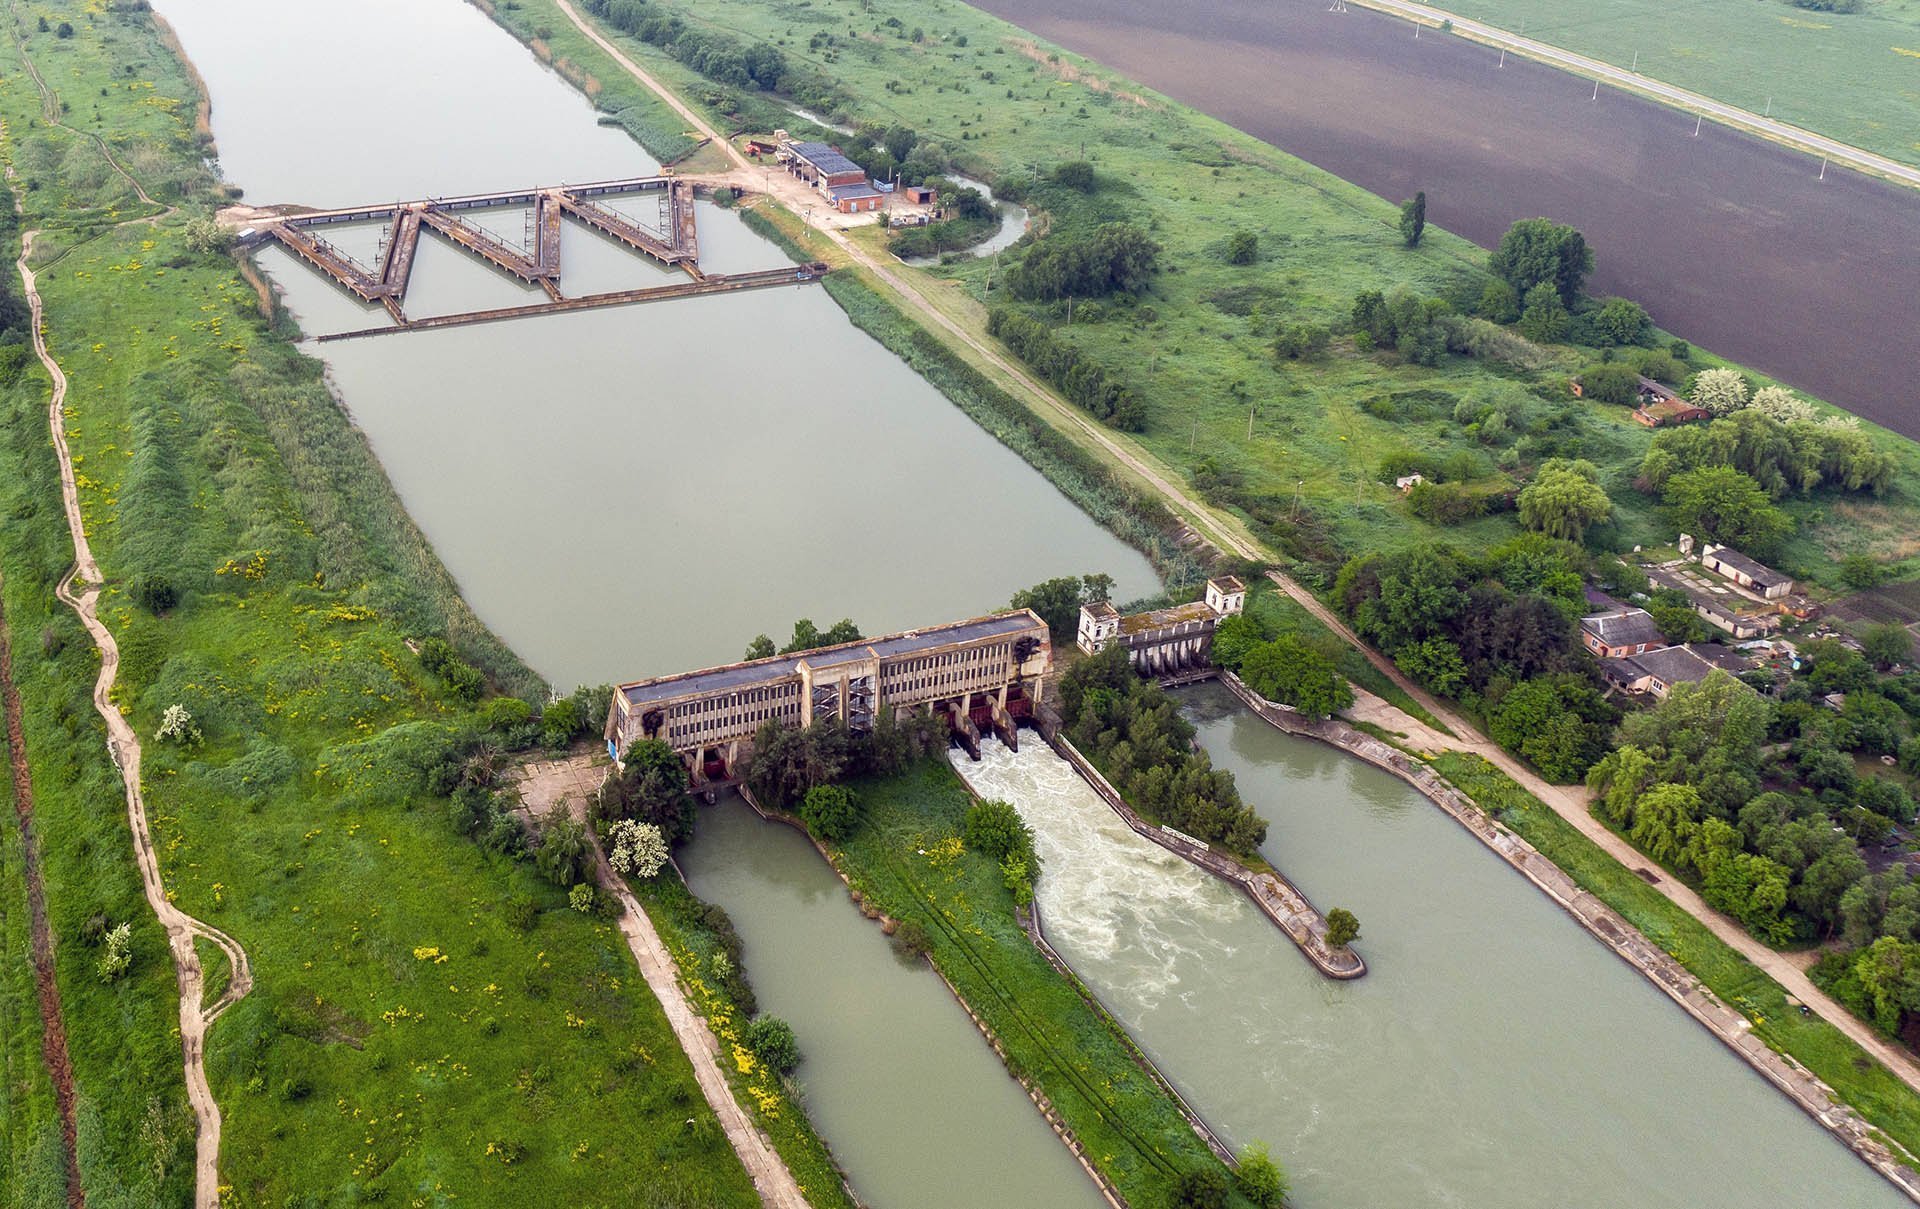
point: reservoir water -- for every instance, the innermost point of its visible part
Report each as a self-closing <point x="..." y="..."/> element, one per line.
<point x="1494" y="1057"/>
<point x="629" y="492"/>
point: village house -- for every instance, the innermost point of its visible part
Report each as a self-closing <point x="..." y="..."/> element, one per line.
<point x="1619" y="634"/>
<point x="1723" y="605"/>
<point x="1750" y="574"/>
<point x="1656" y="672"/>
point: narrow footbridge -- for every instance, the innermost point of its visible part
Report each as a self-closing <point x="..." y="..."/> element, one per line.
<point x="670" y="239"/>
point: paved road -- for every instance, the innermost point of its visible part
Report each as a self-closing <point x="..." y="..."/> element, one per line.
<point x="1693" y="102"/>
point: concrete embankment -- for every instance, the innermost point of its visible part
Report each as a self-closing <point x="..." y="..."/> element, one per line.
<point x="1801" y="1086"/>
<point x="1277" y="898"/>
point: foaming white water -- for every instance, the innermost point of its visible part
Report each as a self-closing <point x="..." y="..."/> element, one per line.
<point x="1105" y="892"/>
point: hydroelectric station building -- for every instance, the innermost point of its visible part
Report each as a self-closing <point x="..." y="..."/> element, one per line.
<point x="982" y="673"/>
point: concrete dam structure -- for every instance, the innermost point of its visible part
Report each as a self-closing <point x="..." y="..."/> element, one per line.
<point x="986" y="672"/>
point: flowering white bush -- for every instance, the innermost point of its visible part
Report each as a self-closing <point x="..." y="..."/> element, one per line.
<point x="639" y="849"/>
<point x="177" y="725"/>
<point x="119" y="954"/>
<point x="1720" y="391"/>
<point x="1781" y="405"/>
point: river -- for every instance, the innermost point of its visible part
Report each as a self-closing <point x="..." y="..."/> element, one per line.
<point x="630" y="492"/>
<point x="1728" y="240"/>
<point x="1494" y="1057"/>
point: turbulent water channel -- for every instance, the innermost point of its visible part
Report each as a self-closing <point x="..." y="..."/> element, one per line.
<point x="629" y="492"/>
<point x="1494" y="1057"/>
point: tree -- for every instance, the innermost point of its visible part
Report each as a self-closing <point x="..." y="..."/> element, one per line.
<point x="1610" y="382"/>
<point x="651" y="788"/>
<point x="1076" y="174"/>
<point x="1726" y="505"/>
<point x="65" y="30"/>
<point x="760" y="648"/>
<point x="1499" y="302"/>
<point x="1886" y="644"/>
<point x="560" y="722"/>
<point x="1199" y="1188"/>
<point x="1435" y="662"/>
<point x="772" y="1042"/>
<point x="1343" y="928"/>
<point x="1720" y="391"/>
<point x="118" y="956"/>
<point x="1863" y="571"/>
<point x="1058" y="601"/>
<point x="1289" y="671"/>
<point x="1536" y="251"/>
<point x="899" y="141"/>
<point x="1259" y="1178"/>
<point x="1243" y="247"/>
<point x="809" y="637"/>
<point x="1564" y="499"/>
<point x="639" y="849"/>
<point x="565" y="852"/>
<point x="831" y="812"/>
<point x="1622" y="321"/>
<point x="1544" y="318"/>
<point x="1114" y="257"/>
<point x="1413" y="219"/>
<point x="1781" y="405"/>
<point x="1236" y="635"/>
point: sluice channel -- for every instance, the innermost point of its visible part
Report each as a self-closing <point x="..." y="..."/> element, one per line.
<point x="1495" y="1056"/>
<point x="916" y="1106"/>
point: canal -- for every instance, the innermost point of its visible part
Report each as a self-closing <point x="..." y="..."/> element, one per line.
<point x="1495" y="1056"/>
<point x="907" y="1110"/>
<point x="619" y="493"/>
<point x="1728" y="240"/>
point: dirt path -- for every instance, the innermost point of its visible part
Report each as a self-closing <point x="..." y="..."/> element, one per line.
<point x="80" y="591"/>
<point x="771" y="1178"/>
<point x="53" y="1027"/>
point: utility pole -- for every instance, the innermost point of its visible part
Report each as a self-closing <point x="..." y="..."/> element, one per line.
<point x="1823" y="167"/>
<point x="1193" y="436"/>
<point x="1697" y="119"/>
<point x="1769" y="110"/>
<point x="1596" y="89"/>
<point x="1503" y="57"/>
<point x="1636" y="62"/>
<point x="1069" y="310"/>
<point x="1250" y="408"/>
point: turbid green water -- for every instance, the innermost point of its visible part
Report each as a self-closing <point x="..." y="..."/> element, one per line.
<point x="918" y="1119"/>
<point x="620" y="493"/>
<point x="1494" y="1057"/>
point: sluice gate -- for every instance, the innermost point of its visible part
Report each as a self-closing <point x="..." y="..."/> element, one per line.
<point x="672" y="241"/>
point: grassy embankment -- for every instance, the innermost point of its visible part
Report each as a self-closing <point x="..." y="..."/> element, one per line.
<point x="1006" y="108"/>
<point x="908" y="861"/>
<point x="428" y="1021"/>
<point x="1851" y="76"/>
<point x="1861" y="1081"/>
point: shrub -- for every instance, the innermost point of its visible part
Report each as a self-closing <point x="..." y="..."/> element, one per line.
<point x="118" y="956"/>
<point x="911" y="941"/>
<point x="153" y="592"/>
<point x="1301" y="342"/>
<point x="1076" y="174"/>
<point x="1343" y="927"/>
<point x="996" y="829"/>
<point x="1289" y="671"/>
<point x="831" y="812"/>
<point x="584" y="898"/>
<point x="639" y="849"/>
<point x="1243" y="247"/>
<point x="1610" y="382"/>
<point x="505" y="713"/>
<point x="1720" y="391"/>
<point x="1622" y="321"/>
<point x="772" y="1042"/>
<point x="565" y="852"/>
<point x="1199" y="1188"/>
<point x="1259" y="1178"/>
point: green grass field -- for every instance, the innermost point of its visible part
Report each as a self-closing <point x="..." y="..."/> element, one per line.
<point x="1851" y="76"/>
<point x="428" y="1022"/>
<point x="1876" y="1092"/>
<point x="1295" y="448"/>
